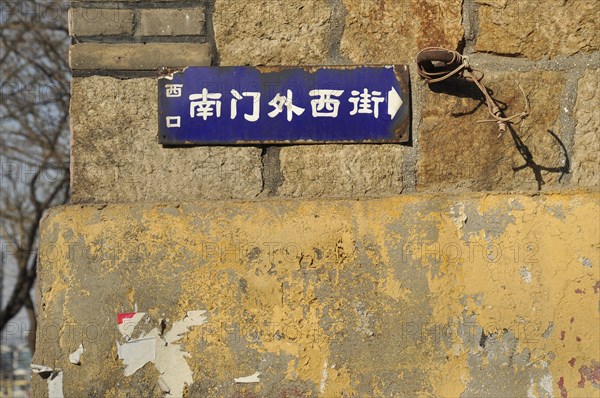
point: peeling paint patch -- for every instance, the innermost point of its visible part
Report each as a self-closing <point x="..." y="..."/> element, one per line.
<point x="542" y="388"/>
<point x="591" y="374"/>
<point x="562" y="388"/>
<point x="525" y="274"/>
<point x="323" y="383"/>
<point x="253" y="378"/>
<point x="457" y="213"/>
<point x="586" y="262"/>
<point x="549" y="330"/>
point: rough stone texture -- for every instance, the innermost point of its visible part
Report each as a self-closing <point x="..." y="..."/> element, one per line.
<point x="586" y="147"/>
<point x="436" y="296"/>
<point x="457" y="153"/>
<point x="391" y="31"/>
<point x="272" y="32"/>
<point x="538" y="29"/>
<point x="100" y="21"/>
<point x="341" y="170"/>
<point x="139" y="56"/>
<point x="172" y="22"/>
<point x="116" y="157"/>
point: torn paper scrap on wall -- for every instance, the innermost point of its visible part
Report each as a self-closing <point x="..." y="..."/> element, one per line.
<point x="75" y="356"/>
<point x="54" y="378"/>
<point x="128" y="321"/>
<point x="135" y="353"/>
<point x="253" y="378"/>
<point x="168" y="358"/>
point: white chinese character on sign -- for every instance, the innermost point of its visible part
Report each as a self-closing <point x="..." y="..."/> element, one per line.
<point x="255" y="104"/>
<point x="325" y="106"/>
<point x="173" y="90"/>
<point x="206" y="106"/>
<point x="173" y="121"/>
<point x="366" y="102"/>
<point x="280" y="101"/>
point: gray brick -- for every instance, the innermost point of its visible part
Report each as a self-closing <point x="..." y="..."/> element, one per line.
<point x="138" y="56"/>
<point x="172" y="22"/>
<point x="100" y="22"/>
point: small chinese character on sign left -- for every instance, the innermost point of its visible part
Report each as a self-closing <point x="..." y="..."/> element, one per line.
<point x="205" y="104"/>
<point x="173" y="90"/>
<point x="173" y="121"/>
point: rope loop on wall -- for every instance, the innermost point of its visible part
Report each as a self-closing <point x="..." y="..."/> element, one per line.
<point x="435" y="64"/>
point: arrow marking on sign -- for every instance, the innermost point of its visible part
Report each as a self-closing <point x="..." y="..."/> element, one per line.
<point x="394" y="102"/>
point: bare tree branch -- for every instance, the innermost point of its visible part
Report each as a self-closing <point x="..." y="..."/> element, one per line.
<point x="34" y="103"/>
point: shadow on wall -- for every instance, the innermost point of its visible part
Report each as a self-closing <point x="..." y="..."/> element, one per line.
<point x="465" y="89"/>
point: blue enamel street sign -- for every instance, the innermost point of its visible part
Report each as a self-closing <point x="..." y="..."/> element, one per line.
<point x="257" y="105"/>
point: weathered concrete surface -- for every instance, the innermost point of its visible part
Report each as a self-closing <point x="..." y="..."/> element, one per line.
<point x="586" y="145"/>
<point x="115" y="155"/>
<point x="391" y="31"/>
<point x="459" y="154"/>
<point x="272" y="32"/>
<point x="437" y="296"/>
<point x="341" y="171"/>
<point x="538" y="29"/>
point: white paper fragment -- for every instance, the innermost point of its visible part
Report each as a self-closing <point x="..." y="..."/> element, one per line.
<point x="192" y="318"/>
<point x="248" y="379"/>
<point x="127" y="325"/>
<point x="167" y="356"/>
<point x="136" y="353"/>
<point x="40" y="368"/>
<point x="170" y="359"/>
<point x="54" y="378"/>
<point x="75" y="357"/>
<point x="55" y="385"/>
<point x="163" y="386"/>
<point x="324" y="374"/>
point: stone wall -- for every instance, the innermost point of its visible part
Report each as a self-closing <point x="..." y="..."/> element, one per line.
<point x="331" y="270"/>
<point x="119" y="45"/>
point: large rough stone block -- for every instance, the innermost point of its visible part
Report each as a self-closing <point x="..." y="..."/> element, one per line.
<point x="538" y="29"/>
<point x="272" y="32"/>
<point x="391" y="31"/>
<point x="138" y="56"/>
<point x="458" y="153"/>
<point x="441" y="296"/>
<point x="586" y="146"/>
<point x="341" y="171"/>
<point x="116" y="156"/>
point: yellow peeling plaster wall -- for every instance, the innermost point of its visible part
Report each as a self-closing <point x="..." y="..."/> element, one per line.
<point x="429" y="296"/>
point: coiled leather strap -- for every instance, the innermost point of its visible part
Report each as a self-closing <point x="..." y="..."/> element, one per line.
<point x="435" y="64"/>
